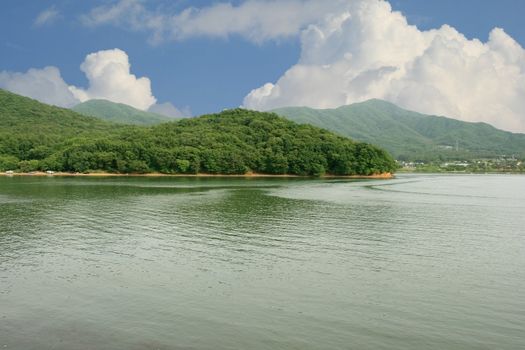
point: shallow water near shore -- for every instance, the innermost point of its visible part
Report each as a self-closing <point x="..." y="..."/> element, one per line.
<point x="417" y="262"/>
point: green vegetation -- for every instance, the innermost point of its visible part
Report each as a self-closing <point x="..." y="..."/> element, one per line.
<point x="119" y="113"/>
<point x="35" y="136"/>
<point x="411" y="136"/>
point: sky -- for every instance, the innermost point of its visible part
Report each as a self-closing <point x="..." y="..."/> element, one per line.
<point x="462" y="59"/>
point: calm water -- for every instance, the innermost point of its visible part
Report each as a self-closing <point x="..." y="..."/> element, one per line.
<point x="419" y="262"/>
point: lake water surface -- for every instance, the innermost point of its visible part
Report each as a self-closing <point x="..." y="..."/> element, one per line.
<point x="418" y="262"/>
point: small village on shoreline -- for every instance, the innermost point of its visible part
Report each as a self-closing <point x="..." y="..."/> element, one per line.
<point x="503" y="164"/>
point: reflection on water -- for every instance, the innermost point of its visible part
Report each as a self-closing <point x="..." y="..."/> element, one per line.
<point x="420" y="262"/>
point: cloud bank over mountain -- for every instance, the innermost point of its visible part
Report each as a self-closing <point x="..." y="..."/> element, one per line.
<point x="45" y="85"/>
<point x="366" y="51"/>
<point x="109" y="76"/>
<point x="353" y="50"/>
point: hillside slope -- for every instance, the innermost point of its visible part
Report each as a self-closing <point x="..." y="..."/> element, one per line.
<point x="19" y="113"/>
<point x="30" y="129"/>
<point x="409" y="135"/>
<point x="119" y="113"/>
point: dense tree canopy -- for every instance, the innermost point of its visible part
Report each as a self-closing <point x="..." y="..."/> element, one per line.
<point x="35" y="136"/>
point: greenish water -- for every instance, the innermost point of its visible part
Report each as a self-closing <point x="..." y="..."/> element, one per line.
<point x="419" y="262"/>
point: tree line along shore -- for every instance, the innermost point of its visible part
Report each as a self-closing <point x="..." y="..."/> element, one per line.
<point x="247" y="175"/>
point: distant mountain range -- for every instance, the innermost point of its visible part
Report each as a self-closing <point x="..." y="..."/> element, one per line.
<point x="409" y="135"/>
<point x="120" y="113"/>
<point x="405" y="134"/>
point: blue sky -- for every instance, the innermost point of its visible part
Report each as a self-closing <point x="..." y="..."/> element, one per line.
<point x="207" y="73"/>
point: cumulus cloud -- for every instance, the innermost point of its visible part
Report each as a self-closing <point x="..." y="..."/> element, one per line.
<point x="365" y="50"/>
<point x="109" y="76"/>
<point x="170" y="110"/>
<point x="45" y="85"/>
<point x="353" y="50"/>
<point x="47" y="16"/>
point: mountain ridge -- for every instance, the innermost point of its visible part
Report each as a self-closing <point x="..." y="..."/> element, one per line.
<point x="410" y="135"/>
<point x="120" y="113"/>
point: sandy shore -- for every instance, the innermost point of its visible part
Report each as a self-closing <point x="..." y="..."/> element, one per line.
<point x="248" y="175"/>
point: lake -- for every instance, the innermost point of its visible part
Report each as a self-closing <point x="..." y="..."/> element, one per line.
<point x="418" y="262"/>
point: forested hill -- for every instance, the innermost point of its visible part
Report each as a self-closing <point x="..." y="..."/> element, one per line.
<point x="409" y="135"/>
<point x="119" y="113"/>
<point x="21" y="115"/>
<point x="35" y="136"/>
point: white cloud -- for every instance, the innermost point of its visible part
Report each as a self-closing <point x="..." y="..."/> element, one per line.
<point x="47" y="16"/>
<point x="255" y="20"/>
<point x="365" y="50"/>
<point x="170" y="110"/>
<point x="353" y="50"/>
<point x="45" y="85"/>
<point x="109" y="76"/>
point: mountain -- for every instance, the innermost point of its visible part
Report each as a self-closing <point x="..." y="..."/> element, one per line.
<point x="24" y="121"/>
<point x="35" y="136"/>
<point x="409" y="135"/>
<point x="120" y="113"/>
<point x="30" y="130"/>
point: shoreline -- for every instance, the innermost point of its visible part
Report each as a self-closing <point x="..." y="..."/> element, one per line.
<point x="247" y="175"/>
